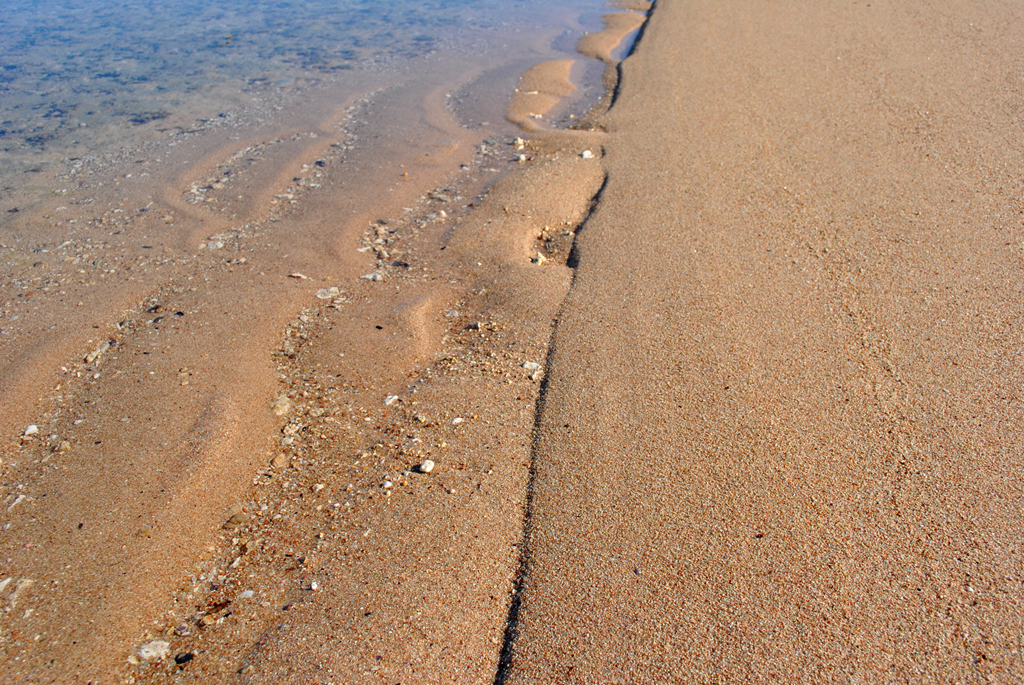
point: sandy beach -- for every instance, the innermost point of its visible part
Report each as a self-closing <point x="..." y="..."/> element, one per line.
<point x="717" y="380"/>
<point x="781" y="436"/>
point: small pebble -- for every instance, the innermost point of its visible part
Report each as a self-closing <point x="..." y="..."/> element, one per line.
<point x="532" y="366"/>
<point x="95" y="354"/>
<point x="157" y="649"/>
<point x="426" y="467"/>
<point x="587" y="154"/>
<point x="373" y="277"/>
<point x="282" y="406"/>
<point x="280" y="461"/>
<point x="236" y="520"/>
<point x="390" y="399"/>
<point x="32" y="430"/>
<point x="184" y="658"/>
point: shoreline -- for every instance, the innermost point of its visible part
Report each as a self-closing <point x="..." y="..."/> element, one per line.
<point x="719" y="385"/>
<point x="152" y="420"/>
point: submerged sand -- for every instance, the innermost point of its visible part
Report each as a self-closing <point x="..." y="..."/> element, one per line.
<point x="722" y="388"/>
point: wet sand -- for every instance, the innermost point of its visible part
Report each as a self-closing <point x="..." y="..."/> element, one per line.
<point x="541" y="89"/>
<point x="718" y="386"/>
<point x="618" y="25"/>
<point x="198" y="337"/>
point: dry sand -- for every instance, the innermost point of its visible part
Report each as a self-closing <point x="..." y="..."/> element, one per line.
<point x="781" y="439"/>
<point x="734" y="396"/>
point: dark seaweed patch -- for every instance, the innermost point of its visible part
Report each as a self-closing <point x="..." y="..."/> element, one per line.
<point x="39" y="141"/>
<point x="146" y="117"/>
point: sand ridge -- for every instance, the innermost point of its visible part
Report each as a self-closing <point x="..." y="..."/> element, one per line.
<point x="617" y="26"/>
<point x="540" y="90"/>
<point x="471" y="413"/>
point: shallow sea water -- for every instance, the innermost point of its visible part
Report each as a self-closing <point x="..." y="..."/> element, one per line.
<point x="83" y="77"/>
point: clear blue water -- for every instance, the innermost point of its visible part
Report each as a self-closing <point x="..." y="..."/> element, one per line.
<point x="67" y="65"/>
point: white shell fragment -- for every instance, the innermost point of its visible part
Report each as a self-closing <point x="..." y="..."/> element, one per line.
<point x="20" y="588"/>
<point x="95" y="354"/>
<point x="327" y="293"/>
<point x="373" y="277"/>
<point x="282" y="406"/>
<point x="390" y="399"/>
<point x="157" y="649"/>
<point x="532" y="366"/>
<point x="587" y="154"/>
